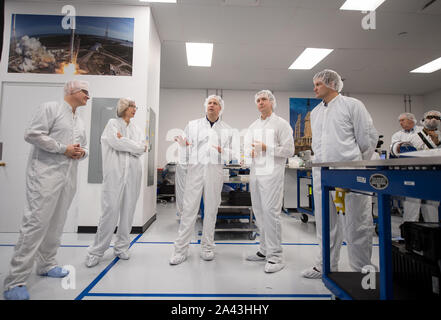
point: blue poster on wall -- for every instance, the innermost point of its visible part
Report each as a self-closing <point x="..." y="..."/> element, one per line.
<point x="300" y="120"/>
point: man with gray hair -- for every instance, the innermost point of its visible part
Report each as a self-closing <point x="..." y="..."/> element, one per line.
<point x="408" y="124"/>
<point x="58" y="140"/>
<point x="208" y="140"/>
<point x="427" y="138"/>
<point x="400" y="143"/>
<point x="268" y="143"/>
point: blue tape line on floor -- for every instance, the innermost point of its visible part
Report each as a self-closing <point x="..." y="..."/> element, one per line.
<point x="170" y="242"/>
<point x="102" y="274"/>
<point x="208" y="295"/>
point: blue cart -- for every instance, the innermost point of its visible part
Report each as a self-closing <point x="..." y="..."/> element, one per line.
<point x="410" y="177"/>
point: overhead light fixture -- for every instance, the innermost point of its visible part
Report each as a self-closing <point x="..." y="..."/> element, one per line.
<point x="160" y="1"/>
<point x="361" y="5"/>
<point x="199" y="54"/>
<point x="241" y="2"/>
<point x="309" y="58"/>
<point x="430" y="67"/>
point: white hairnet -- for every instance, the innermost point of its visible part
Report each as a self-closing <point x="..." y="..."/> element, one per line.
<point x="431" y="124"/>
<point x="219" y="100"/>
<point x="123" y="104"/>
<point x="432" y="113"/>
<point x="269" y="95"/>
<point x="74" y="86"/>
<point x="331" y="79"/>
<point x="409" y="116"/>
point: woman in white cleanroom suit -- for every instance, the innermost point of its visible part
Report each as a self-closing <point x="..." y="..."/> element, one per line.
<point x="122" y="143"/>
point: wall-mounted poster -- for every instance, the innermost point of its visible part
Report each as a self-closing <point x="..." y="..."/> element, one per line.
<point x="300" y="120"/>
<point x="97" y="46"/>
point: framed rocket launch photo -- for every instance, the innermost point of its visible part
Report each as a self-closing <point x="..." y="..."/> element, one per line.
<point x="96" y="46"/>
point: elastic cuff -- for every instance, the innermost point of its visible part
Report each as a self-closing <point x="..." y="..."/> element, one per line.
<point x="62" y="148"/>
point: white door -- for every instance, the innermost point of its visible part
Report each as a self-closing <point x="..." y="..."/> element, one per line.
<point x="18" y="104"/>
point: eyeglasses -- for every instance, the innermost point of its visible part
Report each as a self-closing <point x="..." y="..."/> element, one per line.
<point x="85" y="92"/>
<point x="433" y="117"/>
<point x="131" y="106"/>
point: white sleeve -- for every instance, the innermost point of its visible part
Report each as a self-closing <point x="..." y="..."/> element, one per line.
<point x="247" y="148"/>
<point x="83" y="143"/>
<point x="365" y="133"/>
<point x="37" y="133"/>
<point x="284" y="147"/>
<point x="120" y="144"/>
<point x="140" y="140"/>
<point x="395" y="140"/>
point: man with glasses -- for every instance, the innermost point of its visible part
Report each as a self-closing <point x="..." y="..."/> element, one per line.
<point x="122" y="145"/>
<point x="58" y="140"/>
<point x="401" y="138"/>
<point x="427" y="139"/>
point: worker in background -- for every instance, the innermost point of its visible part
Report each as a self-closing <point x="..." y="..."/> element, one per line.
<point x="426" y="139"/>
<point x="208" y="140"/>
<point x="58" y="141"/>
<point x="342" y="130"/>
<point x="399" y="143"/>
<point x="122" y="145"/>
<point x="269" y="143"/>
<point x="408" y="123"/>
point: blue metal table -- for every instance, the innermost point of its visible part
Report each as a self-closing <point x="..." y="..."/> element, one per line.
<point x="410" y="177"/>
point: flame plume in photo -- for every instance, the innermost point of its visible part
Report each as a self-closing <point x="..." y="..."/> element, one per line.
<point x="71" y="67"/>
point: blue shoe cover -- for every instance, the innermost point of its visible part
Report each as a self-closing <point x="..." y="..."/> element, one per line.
<point x="56" y="272"/>
<point x="17" y="293"/>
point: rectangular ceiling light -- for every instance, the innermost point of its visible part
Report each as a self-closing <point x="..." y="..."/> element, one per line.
<point x="309" y="58"/>
<point x="163" y="1"/>
<point x="362" y="5"/>
<point x="199" y="54"/>
<point x="430" y="67"/>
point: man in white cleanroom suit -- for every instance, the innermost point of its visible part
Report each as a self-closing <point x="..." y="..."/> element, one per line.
<point x="122" y="144"/>
<point x="268" y="142"/>
<point x="408" y="124"/>
<point x="58" y="140"/>
<point x="209" y="143"/>
<point x="427" y="138"/>
<point x="342" y="130"/>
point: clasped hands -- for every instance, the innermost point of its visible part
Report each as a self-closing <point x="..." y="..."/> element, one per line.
<point x="258" y="147"/>
<point x="74" y="151"/>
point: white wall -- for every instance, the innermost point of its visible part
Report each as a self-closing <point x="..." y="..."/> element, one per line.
<point x="432" y="101"/>
<point x="143" y="86"/>
<point x="178" y="106"/>
<point x="153" y="77"/>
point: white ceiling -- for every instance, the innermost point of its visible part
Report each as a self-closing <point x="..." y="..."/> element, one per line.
<point x="255" y="44"/>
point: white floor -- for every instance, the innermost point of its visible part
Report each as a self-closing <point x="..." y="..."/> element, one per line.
<point x="148" y="275"/>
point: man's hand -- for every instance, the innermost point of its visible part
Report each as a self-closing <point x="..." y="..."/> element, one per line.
<point x="182" y="141"/>
<point x="74" y="151"/>
<point x="399" y="146"/>
<point x="118" y="135"/>
<point x="259" y="146"/>
<point x="434" y="136"/>
<point x="219" y="149"/>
